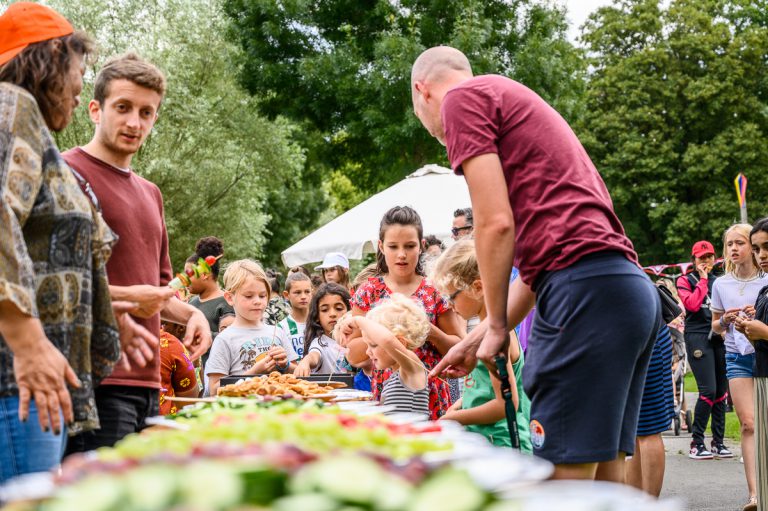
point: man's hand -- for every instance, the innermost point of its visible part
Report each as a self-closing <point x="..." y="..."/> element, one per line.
<point x="495" y="343"/>
<point x="136" y="342"/>
<point x="42" y="375"/>
<point x="198" y="337"/>
<point x="461" y="359"/>
<point x="149" y="300"/>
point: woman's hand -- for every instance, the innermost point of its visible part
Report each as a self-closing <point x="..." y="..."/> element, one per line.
<point x="753" y="329"/>
<point x="42" y="374"/>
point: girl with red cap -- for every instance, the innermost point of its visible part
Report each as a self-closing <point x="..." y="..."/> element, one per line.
<point x="706" y="352"/>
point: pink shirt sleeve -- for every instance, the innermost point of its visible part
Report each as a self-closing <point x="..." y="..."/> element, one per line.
<point x="692" y="298"/>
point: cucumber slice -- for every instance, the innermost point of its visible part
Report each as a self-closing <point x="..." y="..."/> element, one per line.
<point x="306" y="501"/>
<point x="449" y="490"/>
<point x="151" y="488"/>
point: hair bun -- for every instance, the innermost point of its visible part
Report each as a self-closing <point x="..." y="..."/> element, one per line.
<point x="209" y="246"/>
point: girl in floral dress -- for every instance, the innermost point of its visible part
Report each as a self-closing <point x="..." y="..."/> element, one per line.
<point x="399" y="271"/>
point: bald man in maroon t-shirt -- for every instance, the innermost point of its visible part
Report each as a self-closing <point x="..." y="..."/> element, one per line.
<point x="540" y="204"/>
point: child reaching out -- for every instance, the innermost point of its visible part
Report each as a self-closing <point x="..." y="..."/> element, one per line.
<point x="248" y="346"/>
<point x="392" y="331"/>
<point x="322" y="354"/>
<point x="481" y="408"/>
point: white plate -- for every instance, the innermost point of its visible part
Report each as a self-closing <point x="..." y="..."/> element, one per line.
<point x="584" y="496"/>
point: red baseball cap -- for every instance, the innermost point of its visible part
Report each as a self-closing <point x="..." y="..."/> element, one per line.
<point x="24" y="23"/>
<point x="701" y="248"/>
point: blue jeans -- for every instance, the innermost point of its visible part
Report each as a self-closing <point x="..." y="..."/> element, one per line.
<point x="24" y="447"/>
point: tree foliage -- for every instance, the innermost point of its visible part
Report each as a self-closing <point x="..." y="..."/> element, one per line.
<point x="342" y="68"/>
<point x="675" y="109"/>
<point x="223" y="168"/>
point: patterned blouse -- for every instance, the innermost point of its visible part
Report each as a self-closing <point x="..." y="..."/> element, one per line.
<point x="368" y="296"/>
<point x="54" y="248"/>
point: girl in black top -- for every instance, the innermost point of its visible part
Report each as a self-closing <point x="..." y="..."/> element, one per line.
<point x="706" y="353"/>
<point x="753" y="322"/>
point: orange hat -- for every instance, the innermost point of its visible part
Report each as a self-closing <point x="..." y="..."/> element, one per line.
<point x="24" y="23"/>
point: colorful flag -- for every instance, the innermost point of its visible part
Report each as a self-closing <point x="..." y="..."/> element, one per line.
<point x="741" y="189"/>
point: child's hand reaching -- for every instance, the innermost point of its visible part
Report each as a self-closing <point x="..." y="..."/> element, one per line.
<point x="303" y="369"/>
<point x="346" y="330"/>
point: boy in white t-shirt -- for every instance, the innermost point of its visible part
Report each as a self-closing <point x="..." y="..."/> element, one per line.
<point x="248" y="347"/>
<point x="298" y="291"/>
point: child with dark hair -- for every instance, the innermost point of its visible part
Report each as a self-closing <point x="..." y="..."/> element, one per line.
<point x="298" y="292"/>
<point x="399" y="270"/>
<point x="322" y="354"/>
<point x="209" y="297"/>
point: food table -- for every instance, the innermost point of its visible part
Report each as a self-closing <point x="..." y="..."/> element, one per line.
<point x="293" y="452"/>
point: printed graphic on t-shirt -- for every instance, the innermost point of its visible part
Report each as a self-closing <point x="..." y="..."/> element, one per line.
<point x="254" y="350"/>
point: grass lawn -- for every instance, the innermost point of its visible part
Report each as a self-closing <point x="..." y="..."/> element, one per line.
<point x="732" y="429"/>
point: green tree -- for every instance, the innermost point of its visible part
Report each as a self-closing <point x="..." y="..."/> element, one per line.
<point x="674" y="110"/>
<point x="342" y="68"/>
<point x="223" y="168"/>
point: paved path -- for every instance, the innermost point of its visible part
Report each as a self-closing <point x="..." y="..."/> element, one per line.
<point x="704" y="484"/>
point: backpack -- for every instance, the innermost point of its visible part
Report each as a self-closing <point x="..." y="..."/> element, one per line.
<point x="670" y="309"/>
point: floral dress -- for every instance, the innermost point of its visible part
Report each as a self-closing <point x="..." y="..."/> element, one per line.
<point x="375" y="290"/>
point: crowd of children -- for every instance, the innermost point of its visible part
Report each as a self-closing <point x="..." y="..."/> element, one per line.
<point x="388" y="326"/>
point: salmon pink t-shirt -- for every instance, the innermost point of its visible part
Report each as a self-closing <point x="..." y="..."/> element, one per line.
<point x="561" y="207"/>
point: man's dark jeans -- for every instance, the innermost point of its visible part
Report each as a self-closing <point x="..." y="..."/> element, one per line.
<point x="122" y="411"/>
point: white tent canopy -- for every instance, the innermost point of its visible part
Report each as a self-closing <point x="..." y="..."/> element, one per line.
<point x="433" y="191"/>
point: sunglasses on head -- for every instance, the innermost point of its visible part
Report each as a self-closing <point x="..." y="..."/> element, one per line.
<point x="456" y="230"/>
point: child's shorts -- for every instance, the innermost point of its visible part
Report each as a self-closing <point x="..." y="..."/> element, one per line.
<point x="592" y="337"/>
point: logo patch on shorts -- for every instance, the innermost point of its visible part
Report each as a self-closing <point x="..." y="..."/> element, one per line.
<point x="698" y="353"/>
<point x="537" y="434"/>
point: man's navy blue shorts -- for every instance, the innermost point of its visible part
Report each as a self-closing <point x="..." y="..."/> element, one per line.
<point x="587" y="357"/>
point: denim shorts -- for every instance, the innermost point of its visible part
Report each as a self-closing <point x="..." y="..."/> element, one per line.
<point x="739" y="366"/>
<point x="24" y="446"/>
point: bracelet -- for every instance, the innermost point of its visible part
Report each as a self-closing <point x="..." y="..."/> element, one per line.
<point x="282" y="368"/>
<point x="723" y="323"/>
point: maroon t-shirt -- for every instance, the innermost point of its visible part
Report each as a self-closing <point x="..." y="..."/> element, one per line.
<point x="133" y="208"/>
<point x="561" y="207"/>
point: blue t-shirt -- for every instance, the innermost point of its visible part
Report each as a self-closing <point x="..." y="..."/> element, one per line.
<point x="362" y="381"/>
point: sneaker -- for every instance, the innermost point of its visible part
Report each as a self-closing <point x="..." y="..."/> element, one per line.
<point x="721" y="451"/>
<point x="699" y="452"/>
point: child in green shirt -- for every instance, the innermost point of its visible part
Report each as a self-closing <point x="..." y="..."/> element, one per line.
<point x="481" y="408"/>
